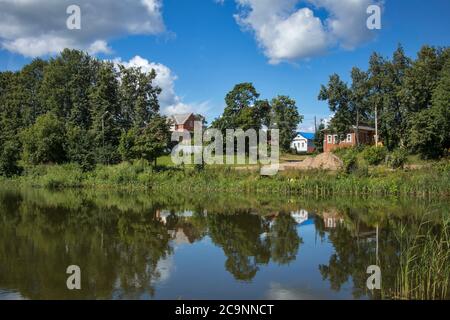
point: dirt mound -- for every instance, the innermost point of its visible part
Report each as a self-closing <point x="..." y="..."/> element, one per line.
<point x="325" y="161"/>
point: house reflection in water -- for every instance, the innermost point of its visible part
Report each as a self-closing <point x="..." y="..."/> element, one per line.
<point x="175" y="229"/>
<point x="332" y="219"/>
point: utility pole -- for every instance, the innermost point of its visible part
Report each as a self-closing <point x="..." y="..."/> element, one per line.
<point x="315" y="124"/>
<point x="376" y="126"/>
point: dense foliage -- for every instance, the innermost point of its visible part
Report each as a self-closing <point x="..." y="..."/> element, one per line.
<point x="410" y="99"/>
<point x="75" y="108"/>
<point x="245" y="111"/>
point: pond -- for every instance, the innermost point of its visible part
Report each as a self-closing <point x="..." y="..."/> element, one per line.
<point x="183" y="246"/>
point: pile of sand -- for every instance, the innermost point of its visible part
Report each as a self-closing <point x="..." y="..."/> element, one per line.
<point x="325" y="161"/>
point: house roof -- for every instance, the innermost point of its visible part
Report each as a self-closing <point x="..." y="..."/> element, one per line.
<point x="366" y="128"/>
<point x="307" y="135"/>
<point x="180" y="118"/>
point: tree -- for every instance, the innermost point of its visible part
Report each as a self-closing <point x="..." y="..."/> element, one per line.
<point x="30" y="81"/>
<point x="338" y="96"/>
<point x="429" y="129"/>
<point x="148" y="143"/>
<point x="154" y="139"/>
<point x="441" y="106"/>
<point x="138" y="97"/>
<point x="11" y="122"/>
<point x="319" y="137"/>
<point x="127" y="144"/>
<point x="286" y="118"/>
<point x="79" y="147"/>
<point x="243" y="109"/>
<point x="9" y="157"/>
<point x="65" y="87"/>
<point x="43" y="142"/>
<point x="104" y="108"/>
<point x="376" y="82"/>
<point x="394" y="112"/>
<point x="359" y="104"/>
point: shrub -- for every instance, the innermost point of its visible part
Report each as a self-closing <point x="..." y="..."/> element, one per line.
<point x="397" y="159"/>
<point x="350" y="159"/>
<point x="9" y="155"/>
<point x="374" y="155"/>
<point x="43" y="142"/>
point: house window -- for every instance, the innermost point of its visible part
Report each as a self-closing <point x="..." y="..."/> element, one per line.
<point x="349" y="138"/>
<point x="330" y="138"/>
<point x="303" y="145"/>
<point x="335" y="138"/>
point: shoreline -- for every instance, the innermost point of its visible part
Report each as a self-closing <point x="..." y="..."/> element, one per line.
<point x="426" y="182"/>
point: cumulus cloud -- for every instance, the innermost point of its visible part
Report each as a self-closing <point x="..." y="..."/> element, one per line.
<point x="38" y="27"/>
<point x="170" y="102"/>
<point x="288" y="29"/>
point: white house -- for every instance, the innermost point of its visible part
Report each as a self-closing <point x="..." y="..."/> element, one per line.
<point x="303" y="143"/>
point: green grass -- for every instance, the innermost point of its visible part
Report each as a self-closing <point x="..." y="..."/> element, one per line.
<point x="424" y="272"/>
<point x="424" y="182"/>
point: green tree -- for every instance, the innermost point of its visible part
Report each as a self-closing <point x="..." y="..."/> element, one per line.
<point x="11" y="122"/>
<point x="339" y="97"/>
<point x="359" y="101"/>
<point x="104" y="104"/>
<point x="66" y="85"/>
<point x="127" y="144"/>
<point x="43" y="142"/>
<point x="319" y="137"/>
<point x="154" y="139"/>
<point x="138" y="97"/>
<point x="429" y="129"/>
<point x="286" y="118"/>
<point x="148" y="143"/>
<point x="30" y="81"/>
<point x="79" y="148"/>
<point x="243" y="109"/>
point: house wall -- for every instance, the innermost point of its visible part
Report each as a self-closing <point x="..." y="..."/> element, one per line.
<point x="188" y="125"/>
<point x="365" y="137"/>
<point x="300" y="145"/>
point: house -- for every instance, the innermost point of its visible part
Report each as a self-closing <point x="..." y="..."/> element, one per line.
<point x="303" y="143"/>
<point x="331" y="142"/>
<point x="182" y="122"/>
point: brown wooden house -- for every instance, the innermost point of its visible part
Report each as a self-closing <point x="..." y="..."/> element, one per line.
<point x="333" y="141"/>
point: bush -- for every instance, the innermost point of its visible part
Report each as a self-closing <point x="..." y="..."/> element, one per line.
<point x="9" y="156"/>
<point x="397" y="159"/>
<point x="350" y="159"/>
<point x="43" y="142"/>
<point x="374" y="155"/>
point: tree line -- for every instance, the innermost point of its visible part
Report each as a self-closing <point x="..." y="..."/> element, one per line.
<point x="79" y="109"/>
<point x="409" y="98"/>
<point x="75" y="108"/>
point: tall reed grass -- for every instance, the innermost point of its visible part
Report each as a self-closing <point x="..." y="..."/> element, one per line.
<point x="424" y="271"/>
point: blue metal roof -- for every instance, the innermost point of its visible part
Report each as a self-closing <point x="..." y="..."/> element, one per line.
<point x="307" y="135"/>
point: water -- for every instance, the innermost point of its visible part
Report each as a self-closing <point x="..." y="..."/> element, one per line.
<point x="183" y="246"/>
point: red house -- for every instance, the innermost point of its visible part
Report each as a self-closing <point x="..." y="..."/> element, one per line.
<point x="333" y="141"/>
<point x="181" y="122"/>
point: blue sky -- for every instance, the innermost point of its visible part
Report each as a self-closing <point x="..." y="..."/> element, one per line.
<point x="205" y="49"/>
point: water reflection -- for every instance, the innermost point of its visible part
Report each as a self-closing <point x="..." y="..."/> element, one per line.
<point x="140" y="246"/>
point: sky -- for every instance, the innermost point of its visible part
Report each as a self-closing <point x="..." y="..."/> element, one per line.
<point x="201" y="48"/>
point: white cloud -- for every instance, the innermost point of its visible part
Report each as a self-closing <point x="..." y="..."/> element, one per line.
<point x="288" y="30"/>
<point x="38" y="27"/>
<point x="170" y="102"/>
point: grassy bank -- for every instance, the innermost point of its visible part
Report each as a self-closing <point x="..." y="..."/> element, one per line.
<point x="425" y="182"/>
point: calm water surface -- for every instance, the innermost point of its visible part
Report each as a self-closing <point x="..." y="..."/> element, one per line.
<point x="144" y="246"/>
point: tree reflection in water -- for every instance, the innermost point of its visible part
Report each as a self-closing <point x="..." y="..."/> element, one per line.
<point x="120" y="240"/>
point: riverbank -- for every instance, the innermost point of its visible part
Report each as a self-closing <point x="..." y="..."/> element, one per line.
<point x="423" y="182"/>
